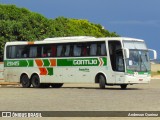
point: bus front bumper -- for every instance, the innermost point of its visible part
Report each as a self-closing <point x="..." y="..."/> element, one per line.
<point x="139" y="79"/>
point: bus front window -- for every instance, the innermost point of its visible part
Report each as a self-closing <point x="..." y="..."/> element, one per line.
<point x="138" y="61"/>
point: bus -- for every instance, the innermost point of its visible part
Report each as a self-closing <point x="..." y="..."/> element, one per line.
<point x="80" y="59"/>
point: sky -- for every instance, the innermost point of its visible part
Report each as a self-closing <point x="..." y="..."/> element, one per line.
<point x="128" y="18"/>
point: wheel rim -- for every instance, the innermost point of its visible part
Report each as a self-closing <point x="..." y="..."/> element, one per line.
<point x="25" y="81"/>
<point x="36" y="81"/>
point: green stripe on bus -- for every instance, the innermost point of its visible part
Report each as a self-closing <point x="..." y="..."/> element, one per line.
<point x="130" y="72"/>
<point x="50" y="71"/>
<point x="104" y="60"/>
<point x="31" y="63"/>
<point x="18" y="63"/>
<point x="140" y="73"/>
<point x="46" y="62"/>
<point x="60" y="62"/>
<point x="82" y="62"/>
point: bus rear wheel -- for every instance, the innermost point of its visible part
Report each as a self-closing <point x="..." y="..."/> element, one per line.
<point x="123" y="86"/>
<point x="36" y="81"/>
<point x="102" y="82"/>
<point x="56" y="85"/>
<point x="25" y="81"/>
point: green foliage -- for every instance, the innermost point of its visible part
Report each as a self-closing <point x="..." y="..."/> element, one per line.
<point x="20" y="24"/>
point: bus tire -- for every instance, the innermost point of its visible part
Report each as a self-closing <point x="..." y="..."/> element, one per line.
<point x="25" y="81"/>
<point x="102" y="82"/>
<point x="35" y="81"/>
<point x="57" y="85"/>
<point x="123" y="86"/>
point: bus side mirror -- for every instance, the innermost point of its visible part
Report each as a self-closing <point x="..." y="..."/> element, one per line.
<point x="126" y="51"/>
<point x="154" y="53"/>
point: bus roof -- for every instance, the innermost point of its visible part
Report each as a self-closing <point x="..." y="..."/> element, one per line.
<point x="73" y="39"/>
<point x="92" y="38"/>
<point x="70" y="38"/>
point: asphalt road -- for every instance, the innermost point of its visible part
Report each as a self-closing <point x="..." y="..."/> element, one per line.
<point x="82" y="97"/>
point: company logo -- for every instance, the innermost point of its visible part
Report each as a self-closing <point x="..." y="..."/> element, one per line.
<point x="12" y="63"/>
<point x="84" y="69"/>
<point x="85" y="62"/>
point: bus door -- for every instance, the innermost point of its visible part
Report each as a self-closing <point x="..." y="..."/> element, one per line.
<point x="119" y="71"/>
<point x="117" y="61"/>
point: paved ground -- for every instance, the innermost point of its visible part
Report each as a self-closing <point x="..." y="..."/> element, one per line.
<point x="82" y="97"/>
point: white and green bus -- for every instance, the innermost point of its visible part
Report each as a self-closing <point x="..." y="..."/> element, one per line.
<point x="55" y="61"/>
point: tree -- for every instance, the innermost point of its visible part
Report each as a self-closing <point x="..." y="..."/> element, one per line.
<point x="20" y="24"/>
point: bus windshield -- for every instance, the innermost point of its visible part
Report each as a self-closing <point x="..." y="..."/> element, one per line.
<point x="138" y="61"/>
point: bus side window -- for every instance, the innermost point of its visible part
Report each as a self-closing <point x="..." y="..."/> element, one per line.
<point x="33" y="52"/>
<point x="18" y="52"/>
<point x="22" y="51"/>
<point x="59" y="50"/>
<point x="71" y="50"/>
<point x="47" y="51"/>
<point x="85" y="49"/>
<point x="63" y="51"/>
<point x="98" y="49"/>
<point x="11" y="52"/>
<point x="103" y="49"/>
<point x="39" y="49"/>
<point x="77" y="50"/>
<point x="25" y="52"/>
<point x="67" y="50"/>
<point x="54" y="50"/>
<point x="93" y="49"/>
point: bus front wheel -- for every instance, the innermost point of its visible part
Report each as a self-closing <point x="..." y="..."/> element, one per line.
<point x="102" y="82"/>
<point x="35" y="81"/>
<point x="25" y="81"/>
